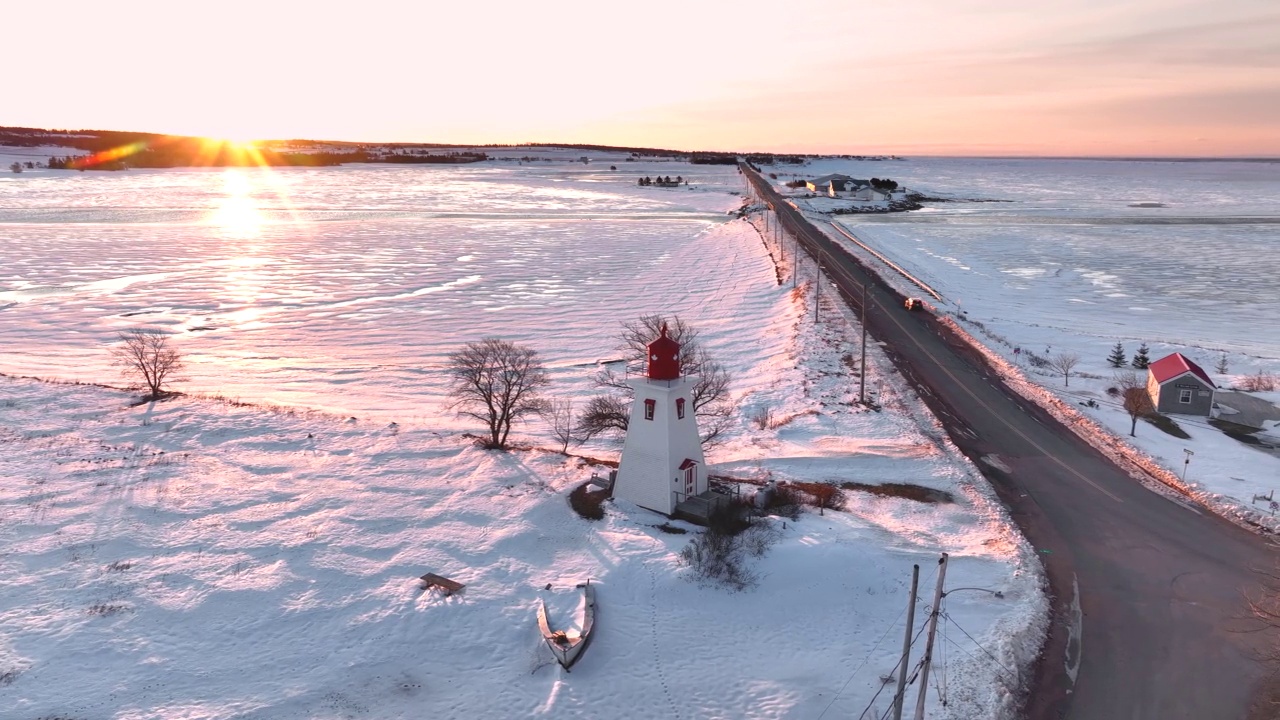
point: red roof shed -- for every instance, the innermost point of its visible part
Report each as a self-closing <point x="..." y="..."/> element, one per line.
<point x="1167" y="368"/>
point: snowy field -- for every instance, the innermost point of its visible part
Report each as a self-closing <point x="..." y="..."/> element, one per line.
<point x="205" y="559"/>
<point x="343" y="288"/>
<point x="1069" y="265"/>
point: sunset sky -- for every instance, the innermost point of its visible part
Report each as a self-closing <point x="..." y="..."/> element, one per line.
<point x="984" y="77"/>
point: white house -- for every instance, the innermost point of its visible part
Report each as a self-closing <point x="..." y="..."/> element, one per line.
<point x="662" y="463"/>
<point x="869" y="194"/>
<point x="833" y="183"/>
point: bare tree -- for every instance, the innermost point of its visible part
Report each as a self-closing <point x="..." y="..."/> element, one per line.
<point x="497" y="382"/>
<point x="1136" y="399"/>
<point x="1221" y="368"/>
<point x="604" y="413"/>
<point x="146" y="355"/>
<point x="712" y="404"/>
<point x="1063" y="362"/>
<point x="559" y="417"/>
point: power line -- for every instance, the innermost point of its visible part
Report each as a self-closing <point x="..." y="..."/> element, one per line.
<point x="866" y="659"/>
<point x="885" y="685"/>
<point x="1013" y="676"/>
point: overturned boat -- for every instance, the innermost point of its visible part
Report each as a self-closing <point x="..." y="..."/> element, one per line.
<point x="564" y="646"/>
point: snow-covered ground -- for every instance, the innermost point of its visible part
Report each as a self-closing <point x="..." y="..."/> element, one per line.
<point x="207" y="559"/>
<point x="1068" y="264"/>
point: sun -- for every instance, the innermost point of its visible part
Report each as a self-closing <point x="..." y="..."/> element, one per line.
<point x="237" y="214"/>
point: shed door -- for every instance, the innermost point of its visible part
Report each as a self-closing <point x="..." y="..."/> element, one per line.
<point x="690" y="479"/>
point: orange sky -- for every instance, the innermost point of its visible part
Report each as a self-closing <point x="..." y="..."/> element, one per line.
<point x="1067" y="77"/>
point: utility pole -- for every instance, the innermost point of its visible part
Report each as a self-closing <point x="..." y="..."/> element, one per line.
<point x="817" y="289"/>
<point x="906" y="645"/>
<point x="928" y="646"/>
<point x="862" y="365"/>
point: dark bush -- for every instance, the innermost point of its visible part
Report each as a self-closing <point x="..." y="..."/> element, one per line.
<point x="785" y="501"/>
<point x="824" y="496"/>
<point x="588" y="501"/>
<point x="719" y="556"/>
<point x="907" y="491"/>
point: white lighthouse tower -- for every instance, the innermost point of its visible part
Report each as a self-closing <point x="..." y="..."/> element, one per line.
<point x="662" y="462"/>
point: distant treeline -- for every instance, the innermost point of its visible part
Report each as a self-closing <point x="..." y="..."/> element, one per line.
<point x="442" y="158"/>
<point x="712" y="159"/>
<point x="771" y="159"/>
<point x="111" y="150"/>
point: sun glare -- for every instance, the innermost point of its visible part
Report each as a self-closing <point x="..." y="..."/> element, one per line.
<point x="237" y="213"/>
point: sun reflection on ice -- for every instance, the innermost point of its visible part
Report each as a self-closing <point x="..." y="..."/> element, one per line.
<point x="237" y="213"/>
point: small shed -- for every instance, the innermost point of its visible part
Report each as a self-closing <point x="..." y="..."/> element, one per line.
<point x="1178" y="385"/>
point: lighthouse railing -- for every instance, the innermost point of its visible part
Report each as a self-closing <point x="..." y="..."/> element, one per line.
<point x="640" y="370"/>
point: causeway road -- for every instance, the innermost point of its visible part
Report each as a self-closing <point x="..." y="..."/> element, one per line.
<point x="1149" y="594"/>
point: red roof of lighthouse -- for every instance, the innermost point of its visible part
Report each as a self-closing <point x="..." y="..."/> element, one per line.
<point x="1167" y="368"/>
<point x="664" y="357"/>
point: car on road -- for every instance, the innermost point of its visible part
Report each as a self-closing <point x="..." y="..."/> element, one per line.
<point x="914" y="303"/>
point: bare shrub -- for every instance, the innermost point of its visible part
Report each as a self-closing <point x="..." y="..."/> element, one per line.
<point x="716" y="558"/>
<point x="1036" y="360"/>
<point x="1260" y="382"/>
<point x="146" y="355"/>
<point x="762" y="417"/>
<point x="721" y="557"/>
<point x="757" y="539"/>
<point x="1063" y="363"/>
<point x="559" y="417"/>
<point x="500" y="381"/>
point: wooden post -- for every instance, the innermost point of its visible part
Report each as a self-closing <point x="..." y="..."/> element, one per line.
<point x="906" y="645"/>
<point x="862" y="365"/>
<point x="928" y="646"/>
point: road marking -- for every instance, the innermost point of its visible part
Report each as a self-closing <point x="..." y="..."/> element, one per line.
<point x="994" y="461"/>
<point x="1075" y="632"/>
<point x="995" y="414"/>
<point x="840" y="262"/>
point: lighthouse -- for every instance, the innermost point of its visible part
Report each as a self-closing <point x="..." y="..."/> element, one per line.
<point x="662" y="462"/>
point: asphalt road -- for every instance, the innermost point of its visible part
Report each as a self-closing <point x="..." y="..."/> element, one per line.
<point x="1148" y="593"/>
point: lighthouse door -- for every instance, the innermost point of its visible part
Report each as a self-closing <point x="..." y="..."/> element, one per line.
<point x="690" y="480"/>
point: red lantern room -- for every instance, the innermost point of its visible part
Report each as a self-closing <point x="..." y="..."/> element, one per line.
<point x="664" y="357"/>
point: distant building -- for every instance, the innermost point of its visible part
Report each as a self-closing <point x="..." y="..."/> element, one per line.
<point x="1178" y="385"/>
<point x="833" y="183"/>
<point x="869" y="194"/>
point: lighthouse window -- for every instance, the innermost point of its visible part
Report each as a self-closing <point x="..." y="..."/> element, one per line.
<point x="680" y="408"/>
<point x="648" y="409"/>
